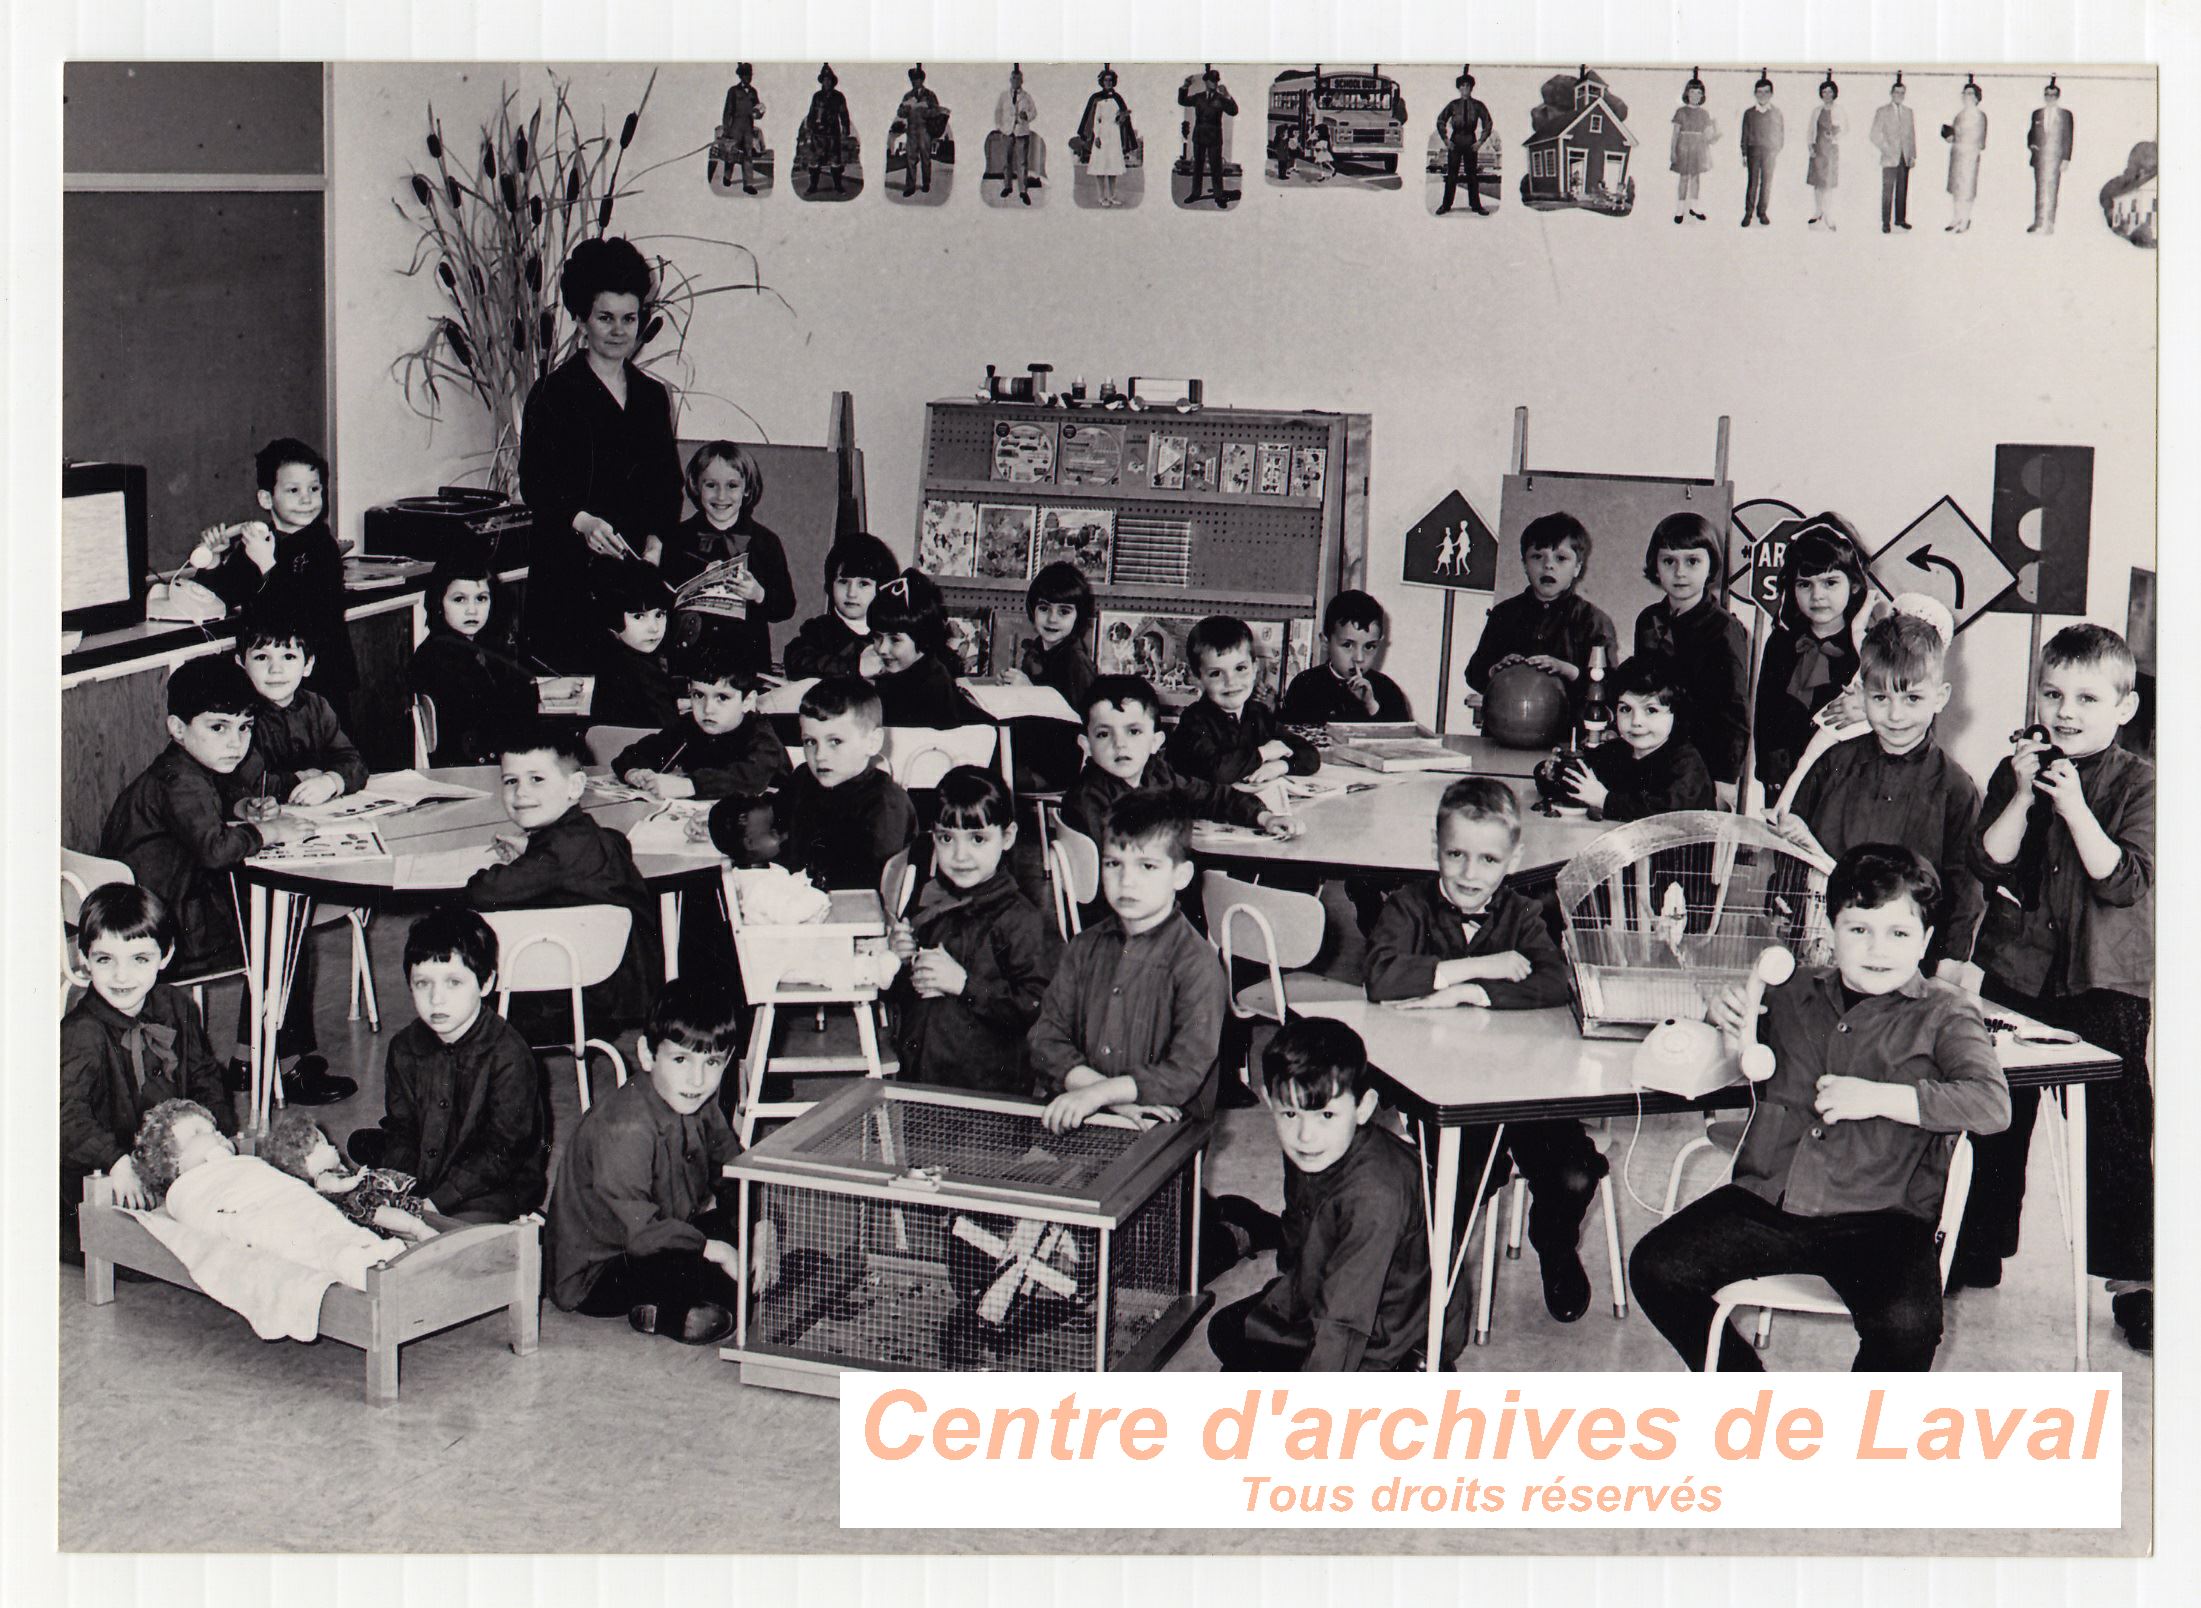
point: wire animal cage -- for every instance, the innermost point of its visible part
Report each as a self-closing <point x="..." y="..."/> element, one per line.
<point x="932" y="1229"/>
<point x="1662" y="914"/>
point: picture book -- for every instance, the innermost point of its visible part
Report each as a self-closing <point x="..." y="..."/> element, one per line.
<point x="1005" y="541"/>
<point x="1090" y="455"/>
<point x="1269" y="670"/>
<point x="1012" y="628"/>
<point x="1309" y="465"/>
<point x="1149" y="645"/>
<point x="1024" y="450"/>
<point x="1199" y="466"/>
<point x="1169" y="463"/>
<point x="713" y="590"/>
<point x="970" y="639"/>
<point x="1136" y="446"/>
<point x="1273" y="476"/>
<point x="947" y="538"/>
<point x="1083" y="536"/>
<point x="1235" y="472"/>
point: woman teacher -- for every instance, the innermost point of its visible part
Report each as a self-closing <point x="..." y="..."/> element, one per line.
<point x="598" y="463"/>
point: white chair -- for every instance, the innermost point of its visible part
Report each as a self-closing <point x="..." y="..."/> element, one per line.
<point x="1288" y="927"/>
<point x="1805" y="1292"/>
<point x="425" y="736"/>
<point x="567" y="949"/>
<point x="607" y="743"/>
<point x="1073" y="876"/>
<point x="918" y="756"/>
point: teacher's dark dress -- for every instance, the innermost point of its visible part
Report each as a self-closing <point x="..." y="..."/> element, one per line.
<point x="579" y="449"/>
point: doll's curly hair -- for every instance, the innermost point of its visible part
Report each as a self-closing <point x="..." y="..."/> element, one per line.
<point x="290" y="1140"/>
<point x="154" y="1155"/>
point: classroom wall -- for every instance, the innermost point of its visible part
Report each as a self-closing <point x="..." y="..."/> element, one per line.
<point x="1864" y="373"/>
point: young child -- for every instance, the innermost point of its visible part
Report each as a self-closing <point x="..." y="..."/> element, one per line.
<point x="1548" y="624"/>
<point x="296" y="565"/>
<point x="641" y="1222"/>
<point x="1134" y="1016"/>
<point x="1060" y="605"/>
<point x="1686" y="562"/>
<point x="185" y="1162"/>
<point x="726" y="483"/>
<point x="464" y="667"/>
<point x="2067" y="845"/>
<point x="299" y="752"/>
<point x="1809" y="658"/>
<point x="841" y="817"/>
<point x="463" y="1095"/>
<point x="909" y="662"/>
<point x="1123" y="746"/>
<point x="171" y="826"/>
<point x="1352" y="1282"/>
<point x="833" y="643"/>
<point x="1899" y="786"/>
<point x="1842" y="1168"/>
<point x="978" y="953"/>
<point x="721" y="748"/>
<point x="1647" y="769"/>
<point x="372" y="1197"/>
<point x="130" y="1043"/>
<point x="1464" y="938"/>
<point x="634" y="685"/>
<point x="1348" y="687"/>
<point x="564" y="858"/>
<point x="1229" y="736"/>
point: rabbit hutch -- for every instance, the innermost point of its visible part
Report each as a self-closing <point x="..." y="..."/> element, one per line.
<point x="941" y="1230"/>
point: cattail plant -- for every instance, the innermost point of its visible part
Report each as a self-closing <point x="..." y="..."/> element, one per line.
<point x="493" y="241"/>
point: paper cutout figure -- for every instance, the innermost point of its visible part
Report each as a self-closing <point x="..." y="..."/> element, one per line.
<point x="1691" y="153"/>
<point x="1015" y="154"/>
<point x="1967" y="137"/>
<point x="1895" y="137"/>
<point x="2049" y="141"/>
<point x="1823" y="170"/>
<point x="826" y="145"/>
<point x="1578" y="148"/>
<point x="919" y="146"/>
<point x="1111" y="157"/>
<point x="2129" y="200"/>
<point x="1205" y="172"/>
<point x="1335" y="125"/>
<point x="739" y="161"/>
<point x="1463" y="127"/>
<point x="1764" y="132"/>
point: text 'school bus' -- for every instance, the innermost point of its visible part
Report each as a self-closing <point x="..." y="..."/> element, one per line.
<point x="1357" y="117"/>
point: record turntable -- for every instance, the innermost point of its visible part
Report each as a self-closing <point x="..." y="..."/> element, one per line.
<point x="457" y="519"/>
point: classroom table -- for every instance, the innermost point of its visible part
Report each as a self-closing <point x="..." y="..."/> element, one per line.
<point x="277" y="900"/>
<point x="1448" y="1068"/>
<point x="1389" y="826"/>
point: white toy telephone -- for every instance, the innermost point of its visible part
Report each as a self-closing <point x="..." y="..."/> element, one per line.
<point x="184" y="601"/>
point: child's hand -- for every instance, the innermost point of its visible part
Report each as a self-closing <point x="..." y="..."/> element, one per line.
<point x="869" y="665"/>
<point x="1791" y="829"/>
<point x="639" y="777"/>
<point x="284" y="829"/>
<point x="128" y="1187"/>
<point x="2059" y="783"/>
<point x="748" y="588"/>
<point x="259" y="544"/>
<point x="1582" y="782"/>
<point x="1551" y="666"/>
<point x="317" y="787"/>
<point x="764" y="1256"/>
<point x="1507" y="966"/>
<point x="505" y="848"/>
<point x="1445" y="999"/>
<point x="216" y="539"/>
<point x="1013" y="677"/>
<point x="724" y="1255"/>
<point x="1146" y="1116"/>
<point x="1268" y="770"/>
<point x="902" y="940"/>
<point x="935" y="972"/>
<point x="1839" y="1099"/>
<point x="1279" y="825"/>
<point x="2025" y="762"/>
<point x="1507" y="663"/>
<point x="1846" y="710"/>
<point x="1071" y="1109"/>
<point x="1360" y="688"/>
<point x="1276" y="748"/>
<point x="1724" y="1011"/>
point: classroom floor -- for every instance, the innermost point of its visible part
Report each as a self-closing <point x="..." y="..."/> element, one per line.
<point x="582" y="1447"/>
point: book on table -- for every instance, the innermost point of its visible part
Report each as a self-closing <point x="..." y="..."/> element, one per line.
<point x="1392" y="746"/>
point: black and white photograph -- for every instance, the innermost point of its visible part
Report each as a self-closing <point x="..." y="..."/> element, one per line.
<point x="537" y="1052"/>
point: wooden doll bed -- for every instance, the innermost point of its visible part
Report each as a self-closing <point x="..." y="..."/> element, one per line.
<point x="464" y="1272"/>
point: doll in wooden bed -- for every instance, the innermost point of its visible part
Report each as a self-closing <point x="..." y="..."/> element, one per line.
<point x="377" y="1198"/>
<point x="186" y="1163"/>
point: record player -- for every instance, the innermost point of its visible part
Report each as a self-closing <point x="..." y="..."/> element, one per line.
<point x="456" y="520"/>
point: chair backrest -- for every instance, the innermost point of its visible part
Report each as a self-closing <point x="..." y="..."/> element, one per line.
<point x="572" y="946"/>
<point x="918" y="756"/>
<point x="80" y="874"/>
<point x="1291" y="924"/>
<point x="425" y="738"/>
<point x="1953" y="1197"/>
<point x="896" y="885"/>
<point x="1079" y="857"/>
<point x="605" y="743"/>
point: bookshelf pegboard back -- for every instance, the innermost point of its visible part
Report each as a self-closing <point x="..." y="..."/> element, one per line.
<point x="1259" y="555"/>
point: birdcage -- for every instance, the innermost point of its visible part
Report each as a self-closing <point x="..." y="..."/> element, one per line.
<point x="1662" y="914"/>
<point x="937" y="1230"/>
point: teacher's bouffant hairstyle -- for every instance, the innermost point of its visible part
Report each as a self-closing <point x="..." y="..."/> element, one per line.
<point x="610" y="266"/>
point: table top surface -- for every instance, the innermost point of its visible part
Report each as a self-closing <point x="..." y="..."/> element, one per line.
<point x="1469" y="1064"/>
<point x="447" y="824"/>
<point x="1392" y="826"/>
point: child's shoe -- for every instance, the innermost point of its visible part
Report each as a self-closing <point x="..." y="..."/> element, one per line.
<point x="1566" y="1284"/>
<point x="2135" y="1314"/>
<point x="311" y="1083"/>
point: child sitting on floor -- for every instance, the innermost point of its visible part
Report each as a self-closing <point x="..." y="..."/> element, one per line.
<point x="1347" y="686"/>
<point x="1465" y="938"/>
<point x="1352" y="1284"/>
<point x="978" y="954"/>
<point x="465" y="669"/>
<point x="1229" y="735"/>
<point x="372" y="1197"/>
<point x="722" y="748"/>
<point x="1844" y="1163"/>
<point x="561" y="857"/>
<point x="462" y="1093"/>
<point x="833" y="643"/>
<point x="909" y="661"/>
<point x="184" y="1162"/>
<point x="130" y="1043"/>
<point x="641" y="1220"/>
<point x="840" y="817"/>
